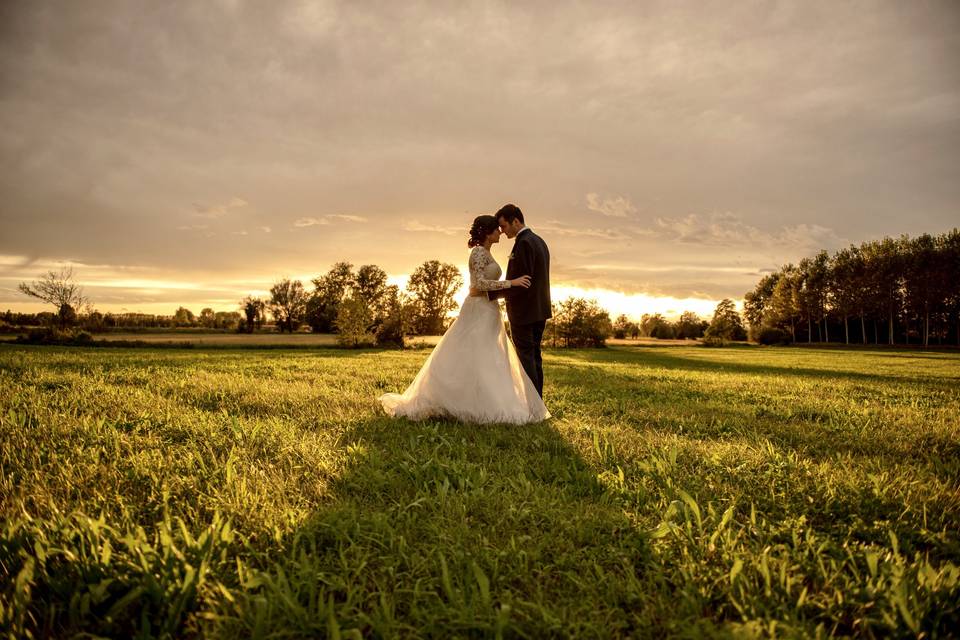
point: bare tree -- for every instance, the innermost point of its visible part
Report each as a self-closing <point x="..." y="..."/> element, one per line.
<point x="60" y="290"/>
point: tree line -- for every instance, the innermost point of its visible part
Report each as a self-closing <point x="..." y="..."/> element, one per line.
<point x="359" y="305"/>
<point x="95" y="321"/>
<point x="894" y="291"/>
<point x="654" y="325"/>
<point x="361" y="308"/>
<point x="578" y="322"/>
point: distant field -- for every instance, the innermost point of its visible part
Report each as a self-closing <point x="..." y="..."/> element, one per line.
<point x="678" y="491"/>
<point x="228" y="339"/>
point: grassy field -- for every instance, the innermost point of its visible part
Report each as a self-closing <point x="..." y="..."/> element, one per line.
<point x="678" y="491"/>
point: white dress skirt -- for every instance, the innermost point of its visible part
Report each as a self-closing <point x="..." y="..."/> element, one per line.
<point x="473" y="374"/>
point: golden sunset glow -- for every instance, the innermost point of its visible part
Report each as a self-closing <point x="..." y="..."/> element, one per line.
<point x="669" y="157"/>
<point x="224" y="296"/>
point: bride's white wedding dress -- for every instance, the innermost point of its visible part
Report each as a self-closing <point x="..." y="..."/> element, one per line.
<point x="473" y="374"/>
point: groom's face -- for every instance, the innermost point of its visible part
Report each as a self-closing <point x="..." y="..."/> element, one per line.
<point x="510" y="229"/>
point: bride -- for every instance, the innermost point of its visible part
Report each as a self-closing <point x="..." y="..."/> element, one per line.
<point x="474" y="374"/>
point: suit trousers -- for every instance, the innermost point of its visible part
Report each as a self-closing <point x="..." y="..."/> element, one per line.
<point x="527" y="339"/>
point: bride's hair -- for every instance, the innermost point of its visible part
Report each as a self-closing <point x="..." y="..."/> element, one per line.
<point x="481" y="228"/>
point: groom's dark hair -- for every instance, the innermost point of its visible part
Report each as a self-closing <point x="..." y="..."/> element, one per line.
<point x="510" y="212"/>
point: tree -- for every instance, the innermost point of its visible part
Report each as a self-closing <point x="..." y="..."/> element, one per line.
<point x="95" y="321"/>
<point x="329" y="291"/>
<point x="581" y="323"/>
<point x="370" y="285"/>
<point x="816" y="274"/>
<point x="621" y="327"/>
<point x="287" y="303"/>
<point x="67" y="316"/>
<point x="911" y="285"/>
<point x="922" y="288"/>
<point x="889" y="274"/>
<point x="208" y="317"/>
<point x="395" y="321"/>
<point x="183" y="317"/>
<point x="253" y="311"/>
<point x="844" y="267"/>
<point x="663" y="331"/>
<point x="354" y="323"/>
<point x="950" y="274"/>
<point x="651" y="325"/>
<point x="433" y="286"/>
<point x="59" y="289"/>
<point x="689" y="326"/>
<point x="756" y="303"/>
<point x="726" y="323"/>
<point x="229" y="320"/>
<point x="860" y="285"/>
<point x="785" y="304"/>
<point x="873" y="286"/>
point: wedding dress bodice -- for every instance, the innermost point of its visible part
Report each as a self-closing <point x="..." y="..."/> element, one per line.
<point x="485" y="272"/>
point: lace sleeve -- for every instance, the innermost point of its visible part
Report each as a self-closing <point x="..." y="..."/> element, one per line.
<point x="479" y="259"/>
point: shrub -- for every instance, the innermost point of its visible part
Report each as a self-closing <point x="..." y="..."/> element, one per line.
<point x="773" y="335"/>
<point x="393" y="326"/>
<point x="663" y="332"/>
<point x="581" y="323"/>
<point x="67" y="315"/>
<point x="623" y="327"/>
<point x="713" y="341"/>
<point x="94" y="321"/>
<point x="54" y="336"/>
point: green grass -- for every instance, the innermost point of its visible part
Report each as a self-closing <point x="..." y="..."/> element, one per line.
<point x="678" y="491"/>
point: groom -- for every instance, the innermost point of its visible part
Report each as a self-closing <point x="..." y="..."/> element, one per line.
<point x="527" y="309"/>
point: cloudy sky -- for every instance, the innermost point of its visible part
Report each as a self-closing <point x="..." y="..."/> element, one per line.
<point x="668" y="152"/>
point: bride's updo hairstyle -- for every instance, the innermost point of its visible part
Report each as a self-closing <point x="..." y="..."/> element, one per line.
<point x="481" y="228"/>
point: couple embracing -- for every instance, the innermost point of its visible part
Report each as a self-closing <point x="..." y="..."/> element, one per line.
<point x="476" y="373"/>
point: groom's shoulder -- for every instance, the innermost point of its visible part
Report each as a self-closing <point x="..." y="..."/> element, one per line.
<point x="527" y="235"/>
<point x="534" y="238"/>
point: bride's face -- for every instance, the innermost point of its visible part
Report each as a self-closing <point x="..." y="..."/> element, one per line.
<point x="494" y="236"/>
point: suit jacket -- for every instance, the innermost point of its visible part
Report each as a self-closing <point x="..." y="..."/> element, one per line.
<point x="530" y="257"/>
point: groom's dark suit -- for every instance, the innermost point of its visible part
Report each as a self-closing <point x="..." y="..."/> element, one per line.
<point x="528" y="309"/>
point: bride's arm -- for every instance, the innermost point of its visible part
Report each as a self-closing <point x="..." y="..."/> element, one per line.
<point x="523" y="259"/>
<point x="478" y="261"/>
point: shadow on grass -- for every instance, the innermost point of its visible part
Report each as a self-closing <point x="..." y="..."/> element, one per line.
<point x="441" y="528"/>
<point x="886" y="349"/>
<point x="669" y="359"/>
<point x="816" y="427"/>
